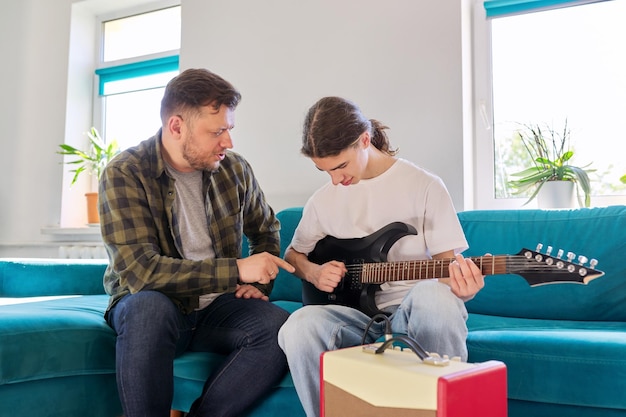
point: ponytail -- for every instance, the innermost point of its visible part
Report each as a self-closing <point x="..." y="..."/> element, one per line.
<point x="380" y="139"/>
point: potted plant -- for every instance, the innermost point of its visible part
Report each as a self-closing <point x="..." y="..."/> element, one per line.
<point x="92" y="161"/>
<point x="551" y="156"/>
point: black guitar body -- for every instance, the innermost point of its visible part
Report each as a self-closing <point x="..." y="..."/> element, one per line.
<point x="350" y="291"/>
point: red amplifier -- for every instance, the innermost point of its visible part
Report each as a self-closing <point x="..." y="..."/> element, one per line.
<point x="397" y="383"/>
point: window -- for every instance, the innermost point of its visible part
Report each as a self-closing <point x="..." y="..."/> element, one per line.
<point x="139" y="56"/>
<point x="119" y="62"/>
<point x="548" y="67"/>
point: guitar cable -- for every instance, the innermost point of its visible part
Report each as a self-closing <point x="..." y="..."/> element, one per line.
<point x="411" y="343"/>
<point x="390" y="339"/>
<point x="375" y="319"/>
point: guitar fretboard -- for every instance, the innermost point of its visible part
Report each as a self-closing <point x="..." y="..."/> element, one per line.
<point x="379" y="272"/>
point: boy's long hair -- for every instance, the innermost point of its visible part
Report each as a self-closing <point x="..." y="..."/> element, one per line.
<point x="334" y="124"/>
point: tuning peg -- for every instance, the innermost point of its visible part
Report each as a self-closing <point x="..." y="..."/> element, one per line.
<point x="559" y="254"/>
<point x="539" y="246"/>
<point x="593" y="263"/>
<point x="570" y="256"/>
<point x="548" y="250"/>
<point x="582" y="259"/>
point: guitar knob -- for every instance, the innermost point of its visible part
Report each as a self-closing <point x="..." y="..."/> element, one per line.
<point x="582" y="260"/>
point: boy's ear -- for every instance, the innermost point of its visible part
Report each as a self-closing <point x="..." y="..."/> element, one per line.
<point x="365" y="140"/>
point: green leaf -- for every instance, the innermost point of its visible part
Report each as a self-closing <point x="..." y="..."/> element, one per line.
<point x="567" y="156"/>
<point x="94" y="159"/>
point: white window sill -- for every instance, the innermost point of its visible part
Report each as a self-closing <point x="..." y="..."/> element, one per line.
<point x="76" y="234"/>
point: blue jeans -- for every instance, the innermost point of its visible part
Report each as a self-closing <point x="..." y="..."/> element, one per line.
<point x="430" y="314"/>
<point x="152" y="331"/>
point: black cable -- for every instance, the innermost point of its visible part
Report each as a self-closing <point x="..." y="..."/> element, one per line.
<point x="415" y="347"/>
<point x="388" y="332"/>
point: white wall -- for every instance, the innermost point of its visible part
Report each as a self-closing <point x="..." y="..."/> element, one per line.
<point x="401" y="60"/>
<point x="34" y="35"/>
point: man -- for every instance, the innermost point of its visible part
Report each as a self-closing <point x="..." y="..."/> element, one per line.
<point x="173" y="212"/>
<point x="369" y="189"/>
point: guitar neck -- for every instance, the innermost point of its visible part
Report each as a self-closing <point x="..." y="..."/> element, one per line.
<point x="379" y="272"/>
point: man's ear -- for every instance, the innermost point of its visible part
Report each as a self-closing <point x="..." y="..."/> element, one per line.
<point x="175" y="126"/>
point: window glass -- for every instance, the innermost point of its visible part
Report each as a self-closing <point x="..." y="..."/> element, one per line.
<point x="133" y="117"/>
<point x="557" y="66"/>
<point x="142" y="34"/>
<point x="130" y="90"/>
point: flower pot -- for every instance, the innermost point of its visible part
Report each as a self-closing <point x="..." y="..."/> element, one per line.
<point x="92" y="208"/>
<point x="557" y="194"/>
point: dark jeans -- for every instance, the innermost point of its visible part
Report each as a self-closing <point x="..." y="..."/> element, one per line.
<point x="152" y="331"/>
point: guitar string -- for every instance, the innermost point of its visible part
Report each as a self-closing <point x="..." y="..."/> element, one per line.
<point x="430" y="264"/>
<point x="416" y="268"/>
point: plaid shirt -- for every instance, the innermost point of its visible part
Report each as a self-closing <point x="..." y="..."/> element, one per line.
<point x="141" y="235"/>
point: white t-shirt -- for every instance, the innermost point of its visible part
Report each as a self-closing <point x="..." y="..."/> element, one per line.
<point x="404" y="193"/>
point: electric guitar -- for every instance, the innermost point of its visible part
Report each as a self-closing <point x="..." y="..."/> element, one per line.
<point x="366" y="261"/>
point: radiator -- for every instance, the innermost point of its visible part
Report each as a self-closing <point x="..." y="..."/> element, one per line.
<point x="82" y="252"/>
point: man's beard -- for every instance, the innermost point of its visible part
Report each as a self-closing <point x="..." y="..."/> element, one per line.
<point x="196" y="160"/>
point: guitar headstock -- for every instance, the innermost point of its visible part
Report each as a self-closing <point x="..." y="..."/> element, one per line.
<point x="545" y="268"/>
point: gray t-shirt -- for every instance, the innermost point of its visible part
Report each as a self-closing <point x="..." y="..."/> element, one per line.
<point x="192" y="220"/>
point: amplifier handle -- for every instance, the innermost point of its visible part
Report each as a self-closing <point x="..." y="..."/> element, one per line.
<point x="427" y="358"/>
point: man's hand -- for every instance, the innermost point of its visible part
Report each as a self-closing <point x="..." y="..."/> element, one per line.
<point x="327" y="276"/>
<point x="250" y="291"/>
<point x="261" y="268"/>
<point x="465" y="278"/>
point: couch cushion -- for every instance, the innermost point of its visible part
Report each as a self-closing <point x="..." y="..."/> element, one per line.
<point x="55" y="338"/>
<point x="290" y="306"/>
<point x="81" y="395"/>
<point x="593" y="232"/>
<point x="22" y="277"/>
<point x="536" y="351"/>
<point x="287" y="286"/>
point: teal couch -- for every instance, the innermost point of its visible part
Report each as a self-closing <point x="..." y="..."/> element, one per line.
<point x="57" y="355"/>
<point x="563" y="344"/>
